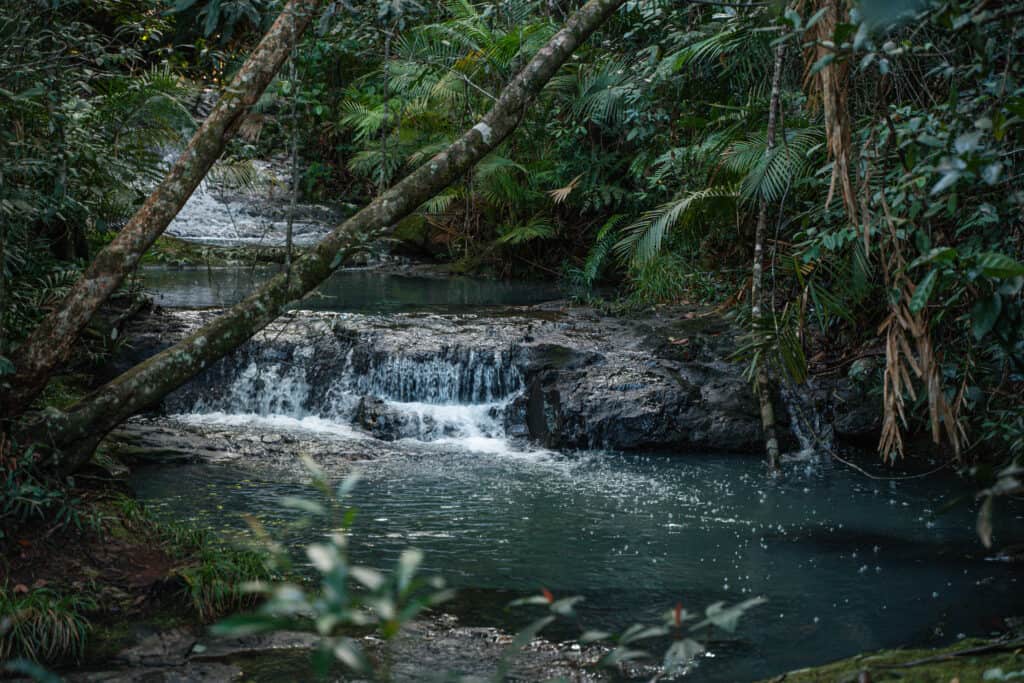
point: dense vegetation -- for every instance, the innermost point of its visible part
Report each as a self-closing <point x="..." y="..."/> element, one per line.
<point x="894" y="214"/>
<point x="869" y="152"/>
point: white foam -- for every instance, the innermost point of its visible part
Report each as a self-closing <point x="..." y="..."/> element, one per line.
<point x="309" y="423"/>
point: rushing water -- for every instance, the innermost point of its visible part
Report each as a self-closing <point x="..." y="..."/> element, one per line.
<point x="848" y="564"/>
<point x="215" y="216"/>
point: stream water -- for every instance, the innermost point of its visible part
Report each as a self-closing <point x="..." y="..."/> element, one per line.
<point x="346" y="290"/>
<point x="848" y="564"/>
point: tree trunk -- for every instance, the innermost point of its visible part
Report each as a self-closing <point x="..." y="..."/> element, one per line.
<point x="51" y="342"/>
<point x="764" y="394"/>
<point x="75" y="433"/>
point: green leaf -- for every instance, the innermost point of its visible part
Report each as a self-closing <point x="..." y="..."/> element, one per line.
<point x="640" y="632"/>
<point x="984" y="315"/>
<point x="371" y="578"/>
<point x="936" y="255"/>
<point x="524" y="637"/>
<point x="32" y="670"/>
<point x="565" y="606"/>
<point x="816" y="17"/>
<point x="325" y="557"/>
<point x="923" y="292"/>
<point x="994" y="264"/>
<point x="968" y="142"/>
<point x="212" y="15"/>
<point x="408" y="562"/>
<point x="619" y="655"/>
<point x="727" y="618"/>
<point x="946" y="181"/>
<point x="990" y="174"/>
<point x="302" y="504"/>
<point x="6" y="366"/>
<point x="822" y="63"/>
<point x="985" y="522"/>
<point x="680" y="653"/>
<point x="347" y="651"/>
<point x="348" y="484"/>
<point x="531" y="600"/>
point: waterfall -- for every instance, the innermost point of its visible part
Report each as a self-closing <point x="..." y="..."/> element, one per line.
<point x="255" y="214"/>
<point x="812" y="431"/>
<point x="451" y="394"/>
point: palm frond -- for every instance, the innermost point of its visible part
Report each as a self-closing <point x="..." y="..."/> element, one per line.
<point x="643" y="238"/>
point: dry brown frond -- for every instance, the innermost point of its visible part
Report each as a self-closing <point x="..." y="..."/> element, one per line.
<point x="560" y="194"/>
<point x="829" y="88"/>
<point x="910" y="355"/>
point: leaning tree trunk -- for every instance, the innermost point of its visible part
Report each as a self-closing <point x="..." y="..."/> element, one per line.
<point x="74" y="434"/>
<point x="764" y="395"/>
<point x="51" y="342"/>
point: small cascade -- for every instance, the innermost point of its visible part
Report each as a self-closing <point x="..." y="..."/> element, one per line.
<point x="812" y="431"/>
<point x="246" y="216"/>
<point x="453" y="376"/>
<point x="451" y="394"/>
<point x="479" y="427"/>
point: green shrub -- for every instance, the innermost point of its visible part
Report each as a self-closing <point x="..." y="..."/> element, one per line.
<point x="42" y="626"/>
<point x="215" y="584"/>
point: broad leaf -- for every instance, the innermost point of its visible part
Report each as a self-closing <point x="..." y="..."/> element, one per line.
<point x="923" y="291"/>
<point x="984" y="315"/>
<point x="994" y="264"/>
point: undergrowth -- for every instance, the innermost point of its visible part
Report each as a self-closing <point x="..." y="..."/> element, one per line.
<point x="42" y="625"/>
<point x="212" y="573"/>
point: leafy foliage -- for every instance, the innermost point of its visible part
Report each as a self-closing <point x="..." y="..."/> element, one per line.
<point x="40" y="625"/>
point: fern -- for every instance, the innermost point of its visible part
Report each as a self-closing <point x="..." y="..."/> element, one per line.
<point x="643" y="238"/>
<point x="597" y="257"/>
<point x="536" y="228"/>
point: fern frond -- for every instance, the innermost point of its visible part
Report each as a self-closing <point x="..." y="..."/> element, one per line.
<point x="643" y="238"/>
<point x="536" y="228"/>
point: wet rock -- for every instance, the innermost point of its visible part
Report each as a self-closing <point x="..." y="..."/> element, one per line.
<point x="228" y="648"/>
<point x="188" y="672"/>
<point x="565" y="379"/>
<point x="384" y="422"/>
<point x="163" y="648"/>
<point x="857" y="416"/>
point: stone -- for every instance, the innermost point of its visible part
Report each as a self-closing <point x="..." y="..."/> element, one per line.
<point x="563" y="378"/>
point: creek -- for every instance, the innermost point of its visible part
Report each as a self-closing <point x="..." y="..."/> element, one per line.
<point x="848" y="564"/>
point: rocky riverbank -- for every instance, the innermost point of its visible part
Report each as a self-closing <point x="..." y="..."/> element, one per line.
<point x="560" y="377"/>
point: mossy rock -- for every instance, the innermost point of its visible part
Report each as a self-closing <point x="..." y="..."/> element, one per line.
<point x="414" y="235"/>
<point x="962" y="661"/>
<point x="172" y="251"/>
<point x="413" y="230"/>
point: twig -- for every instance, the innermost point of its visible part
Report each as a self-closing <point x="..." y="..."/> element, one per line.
<point x="878" y="478"/>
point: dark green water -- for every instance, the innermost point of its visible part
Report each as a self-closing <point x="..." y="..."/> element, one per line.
<point x="346" y="290"/>
<point x="847" y="564"/>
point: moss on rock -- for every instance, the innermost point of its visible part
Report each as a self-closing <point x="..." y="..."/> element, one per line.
<point x="966" y="660"/>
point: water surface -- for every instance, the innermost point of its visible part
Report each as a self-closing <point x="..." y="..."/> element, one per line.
<point x="848" y="564"/>
<point x="368" y="290"/>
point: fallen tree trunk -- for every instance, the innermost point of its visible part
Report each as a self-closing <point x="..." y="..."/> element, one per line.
<point x="50" y="344"/>
<point x="74" y="434"/>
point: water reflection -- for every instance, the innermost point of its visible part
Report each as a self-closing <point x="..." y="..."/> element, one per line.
<point x="346" y="290"/>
